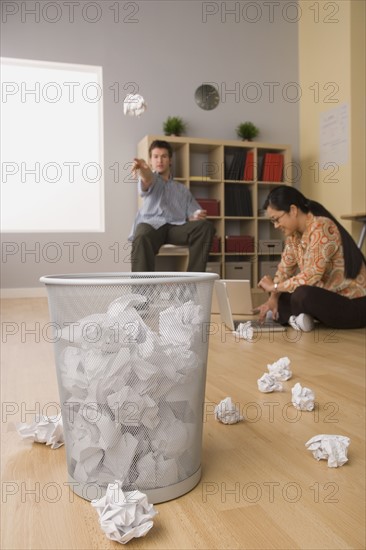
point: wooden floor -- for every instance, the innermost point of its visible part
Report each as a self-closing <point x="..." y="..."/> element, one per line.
<point x="260" y="487"/>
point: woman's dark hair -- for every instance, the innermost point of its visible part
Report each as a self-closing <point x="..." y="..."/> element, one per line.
<point x="283" y="196"/>
<point x="161" y="144"/>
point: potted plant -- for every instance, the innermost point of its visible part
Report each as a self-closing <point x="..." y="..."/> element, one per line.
<point x="247" y="131"/>
<point x="174" y="126"/>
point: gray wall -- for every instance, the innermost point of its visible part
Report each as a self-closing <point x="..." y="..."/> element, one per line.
<point x="166" y="48"/>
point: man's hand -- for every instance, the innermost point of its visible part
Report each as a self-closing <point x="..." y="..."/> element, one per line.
<point x="141" y="169"/>
<point x="198" y="215"/>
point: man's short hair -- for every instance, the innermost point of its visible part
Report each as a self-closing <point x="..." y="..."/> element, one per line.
<point x="161" y="144"/>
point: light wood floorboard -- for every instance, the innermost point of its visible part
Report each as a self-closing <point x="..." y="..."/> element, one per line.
<point x="260" y="487"/>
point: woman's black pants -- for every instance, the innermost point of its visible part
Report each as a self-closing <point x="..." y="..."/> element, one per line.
<point x="331" y="309"/>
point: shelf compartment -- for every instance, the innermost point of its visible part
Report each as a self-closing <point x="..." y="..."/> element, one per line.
<point x="239" y="163"/>
<point x="238" y="200"/>
<point x="205" y="161"/>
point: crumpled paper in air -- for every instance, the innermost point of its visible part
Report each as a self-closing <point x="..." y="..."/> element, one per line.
<point x="227" y="412"/>
<point x="280" y="369"/>
<point x="124" y="515"/>
<point x="45" y="429"/>
<point x="333" y="448"/>
<point x="134" y="105"/>
<point x="245" y="331"/>
<point x="302" y="398"/>
<point x="132" y="388"/>
<point x="268" y="383"/>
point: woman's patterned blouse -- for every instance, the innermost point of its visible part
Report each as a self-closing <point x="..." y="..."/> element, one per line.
<point x="318" y="256"/>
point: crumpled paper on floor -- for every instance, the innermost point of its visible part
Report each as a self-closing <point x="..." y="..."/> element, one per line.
<point x="333" y="448"/>
<point x="244" y="331"/>
<point x="268" y="383"/>
<point x="302" y="398"/>
<point x="45" y="429"/>
<point x="134" y="105"/>
<point x="280" y="369"/>
<point x="124" y="515"/>
<point x="227" y="412"/>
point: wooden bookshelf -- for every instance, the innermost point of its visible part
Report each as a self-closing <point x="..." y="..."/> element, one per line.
<point x="215" y="169"/>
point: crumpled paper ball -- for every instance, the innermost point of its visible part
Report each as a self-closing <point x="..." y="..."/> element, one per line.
<point x="227" y="412"/>
<point x="245" y="331"/>
<point x="124" y="515"/>
<point x="134" y="105"/>
<point x="302" y="398"/>
<point x="44" y="429"/>
<point x="280" y="369"/>
<point x="268" y="383"/>
<point x="333" y="448"/>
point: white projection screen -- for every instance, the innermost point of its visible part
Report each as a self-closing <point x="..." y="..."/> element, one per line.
<point x="52" y="170"/>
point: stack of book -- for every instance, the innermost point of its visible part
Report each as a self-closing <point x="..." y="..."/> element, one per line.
<point x="238" y="200"/>
<point x="272" y="167"/>
<point x="234" y="169"/>
<point x="239" y="244"/>
<point x="240" y="166"/>
<point x="216" y="244"/>
<point x="249" y="167"/>
<point x="212" y="206"/>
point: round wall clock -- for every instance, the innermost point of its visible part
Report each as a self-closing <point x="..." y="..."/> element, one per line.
<point x="207" y="97"/>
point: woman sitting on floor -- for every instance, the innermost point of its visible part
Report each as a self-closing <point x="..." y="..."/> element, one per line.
<point x="322" y="273"/>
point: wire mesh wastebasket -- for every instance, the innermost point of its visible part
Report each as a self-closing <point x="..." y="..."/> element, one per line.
<point x="131" y="355"/>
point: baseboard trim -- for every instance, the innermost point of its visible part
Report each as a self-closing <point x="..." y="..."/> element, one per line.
<point x="8" y="293"/>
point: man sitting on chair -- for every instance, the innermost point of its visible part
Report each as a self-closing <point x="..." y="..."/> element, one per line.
<point x="169" y="214"/>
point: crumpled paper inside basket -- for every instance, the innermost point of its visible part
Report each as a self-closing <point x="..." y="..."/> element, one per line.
<point x="268" y="383"/>
<point x="132" y="389"/>
<point x="302" y="398"/>
<point x="44" y="429"/>
<point x="333" y="448"/>
<point x="280" y="369"/>
<point x="227" y="412"/>
<point x="124" y="515"/>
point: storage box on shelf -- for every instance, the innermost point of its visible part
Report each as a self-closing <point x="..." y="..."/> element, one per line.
<point x="212" y="206"/>
<point x="231" y="180"/>
<point x="214" y="267"/>
<point x="238" y="270"/>
<point x="270" y="246"/>
<point x="239" y="244"/>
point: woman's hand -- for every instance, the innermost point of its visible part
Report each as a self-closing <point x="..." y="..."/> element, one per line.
<point x="270" y="305"/>
<point x="267" y="283"/>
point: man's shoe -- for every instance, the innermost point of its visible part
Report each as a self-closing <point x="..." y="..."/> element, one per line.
<point x="302" y="322"/>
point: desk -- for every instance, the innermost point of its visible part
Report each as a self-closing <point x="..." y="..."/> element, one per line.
<point x="360" y="217"/>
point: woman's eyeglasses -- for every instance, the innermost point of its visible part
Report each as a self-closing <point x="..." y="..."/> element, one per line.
<point x="276" y="220"/>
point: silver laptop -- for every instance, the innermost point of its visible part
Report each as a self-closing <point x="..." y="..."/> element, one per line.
<point x="246" y="306"/>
